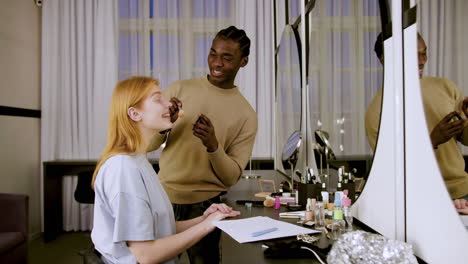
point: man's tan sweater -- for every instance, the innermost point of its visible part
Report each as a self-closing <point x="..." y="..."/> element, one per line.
<point x="440" y="97"/>
<point x="188" y="172"/>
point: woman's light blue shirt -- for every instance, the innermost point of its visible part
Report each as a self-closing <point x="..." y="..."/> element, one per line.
<point x="130" y="205"/>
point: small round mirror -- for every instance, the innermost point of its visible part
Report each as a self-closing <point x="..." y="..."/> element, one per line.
<point x="292" y="146"/>
<point x="323" y="145"/>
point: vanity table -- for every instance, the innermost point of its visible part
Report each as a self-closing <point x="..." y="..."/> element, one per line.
<point x="234" y="252"/>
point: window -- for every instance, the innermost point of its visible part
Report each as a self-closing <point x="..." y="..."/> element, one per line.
<point x="168" y="39"/>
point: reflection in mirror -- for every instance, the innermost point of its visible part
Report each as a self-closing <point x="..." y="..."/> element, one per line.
<point x="290" y="153"/>
<point x="323" y="146"/>
<point x="343" y="76"/>
<point x="427" y="99"/>
<point x="292" y="147"/>
<point x="288" y="91"/>
<point x="294" y="10"/>
<point x="438" y="106"/>
<point x="444" y="83"/>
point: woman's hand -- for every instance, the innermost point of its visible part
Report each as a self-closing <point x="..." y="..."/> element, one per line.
<point x="223" y="208"/>
<point x="218" y="215"/>
<point x="461" y="205"/>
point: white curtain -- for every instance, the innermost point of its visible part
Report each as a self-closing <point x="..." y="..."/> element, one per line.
<point x="344" y="73"/>
<point x="256" y="79"/>
<point x="79" y="71"/>
<point x="443" y="25"/>
<point x="170" y="40"/>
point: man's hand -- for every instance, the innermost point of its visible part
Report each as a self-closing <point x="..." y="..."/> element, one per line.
<point x="174" y="109"/>
<point x="465" y="106"/>
<point x="461" y="205"/>
<point x="204" y="130"/>
<point x="446" y="129"/>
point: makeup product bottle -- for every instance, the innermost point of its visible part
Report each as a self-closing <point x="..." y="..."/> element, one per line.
<point x="277" y="202"/>
<point x="350" y="177"/>
<point x="348" y="217"/>
<point x="341" y="171"/>
<point x="350" y="186"/>
<point x="339" y="193"/>
<point x="308" y="212"/>
<point x="338" y="220"/>
<point x="345" y="201"/>
<point x="324" y="193"/>
<point x="319" y="216"/>
<point x="313" y="203"/>
<point x="346" y="205"/>
<point x="339" y="187"/>
<point x="296" y="196"/>
<point x="346" y="177"/>
<point x="337" y="201"/>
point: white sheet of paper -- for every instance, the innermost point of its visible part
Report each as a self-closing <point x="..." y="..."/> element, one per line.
<point x="464" y="219"/>
<point x="241" y="230"/>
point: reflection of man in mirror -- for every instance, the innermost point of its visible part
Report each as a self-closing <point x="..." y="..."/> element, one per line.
<point x="207" y="150"/>
<point x="444" y="108"/>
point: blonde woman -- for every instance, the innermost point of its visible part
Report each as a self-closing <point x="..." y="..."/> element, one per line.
<point x="133" y="217"/>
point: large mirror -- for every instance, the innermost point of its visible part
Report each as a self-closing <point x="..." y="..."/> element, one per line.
<point x="444" y="85"/>
<point x="434" y="123"/>
<point x="344" y="75"/>
<point x="288" y="91"/>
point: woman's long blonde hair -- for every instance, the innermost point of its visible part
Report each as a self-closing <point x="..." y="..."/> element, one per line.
<point x="123" y="136"/>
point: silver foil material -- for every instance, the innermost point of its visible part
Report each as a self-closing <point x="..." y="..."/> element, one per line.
<point x="363" y="247"/>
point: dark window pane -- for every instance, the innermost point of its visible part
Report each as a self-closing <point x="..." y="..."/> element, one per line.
<point x="339" y="49"/>
<point x="202" y="47"/>
<point x="370" y="8"/>
<point x="169" y="8"/>
<point x="151" y="8"/>
<point x="129" y="8"/>
<point x="294" y="10"/>
<point x="339" y="7"/>
<point x="128" y="52"/>
<point x="168" y="52"/>
<point x="211" y="8"/>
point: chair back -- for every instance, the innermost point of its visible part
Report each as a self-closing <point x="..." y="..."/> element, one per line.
<point x="83" y="192"/>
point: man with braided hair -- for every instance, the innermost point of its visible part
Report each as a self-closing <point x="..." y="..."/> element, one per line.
<point x="207" y="150"/>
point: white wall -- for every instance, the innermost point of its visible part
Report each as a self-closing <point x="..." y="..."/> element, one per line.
<point x="20" y="46"/>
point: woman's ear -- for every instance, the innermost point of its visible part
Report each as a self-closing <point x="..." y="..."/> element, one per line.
<point x="134" y="114"/>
